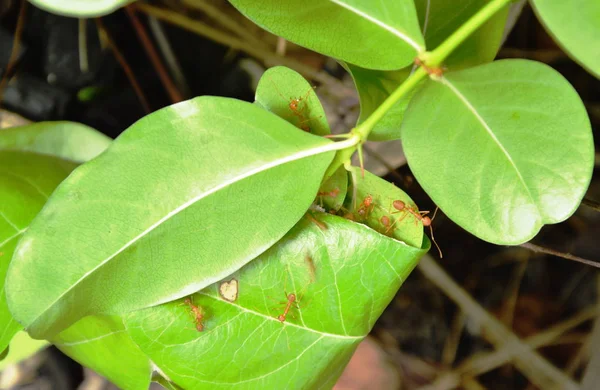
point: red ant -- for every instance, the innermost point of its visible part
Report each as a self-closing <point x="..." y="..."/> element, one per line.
<point x="385" y="221"/>
<point x="291" y="300"/>
<point x="333" y="193"/>
<point x="197" y="313"/>
<point x="435" y="72"/>
<point x="365" y="207"/>
<point x="400" y="206"/>
<point x="294" y="106"/>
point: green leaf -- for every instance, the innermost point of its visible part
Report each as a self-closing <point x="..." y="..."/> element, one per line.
<point x="374" y="86"/>
<point x="21" y="347"/>
<point x="438" y="19"/>
<point x="382" y="194"/>
<point x="80" y="8"/>
<point x="184" y="197"/>
<point x="382" y="34"/>
<point x="356" y="273"/>
<point x="575" y="25"/>
<point x="68" y="140"/>
<point x="102" y="344"/>
<point x="502" y="148"/>
<point x="26" y="181"/>
<point x="332" y="193"/>
<point x="287" y="94"/>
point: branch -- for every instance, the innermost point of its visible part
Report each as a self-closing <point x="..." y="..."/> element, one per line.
<point x="568" y="256"/>
<point x="539" y="371"/>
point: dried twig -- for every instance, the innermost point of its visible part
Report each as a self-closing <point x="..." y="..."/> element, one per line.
<point x="568" y="256"/>
<point x="226" y="21"/>
<point x="238" y="44"/>
<point x="82" y="46"/>
<point x="165" y="79"/>
<point x="167" y="52"/>
<point x="15" y="48"/>
<point x="130" y="75"/>
<point x="537" y="369"/>
<point x="591" y="204"/>
<point x="480" y="363"/>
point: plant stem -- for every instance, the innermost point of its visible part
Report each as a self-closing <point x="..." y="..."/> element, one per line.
<point x="431" y="59"/>
<point x="365" y="128"/>
<point x="437" y="56"/>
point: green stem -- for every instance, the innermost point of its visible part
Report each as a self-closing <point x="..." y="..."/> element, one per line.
<point x="436" y="57"/>
<point x="365" y="128"/>
<point x="431" y="59"/>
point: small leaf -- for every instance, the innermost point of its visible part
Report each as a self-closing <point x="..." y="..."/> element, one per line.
<point x="502" y="148"/>
<point x="575" y="25"/>
<point x="288" y="95"/>
<point x="357" y="272"/>
<point x="438" y="19"/>
<point x="26" y="181"/>
<point x="67" y="140"/>
<point x="381" y="34"/>
<point x="102" y="344"/>
<point x="80" y="8"/>
<point x="21" y="347"/>
<point x="184" y="197"/>
<point x="332" y="193"/>
<point x="381" y="196"/>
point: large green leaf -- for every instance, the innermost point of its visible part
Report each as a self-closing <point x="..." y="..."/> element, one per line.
<point x="438" y="19"/>
<point x="381" y="34"/>
<point x="287" y="94"/>
<point x="26" y="181"/>
<point x="102" y="344"/>
<point x="68" y="140"/>
<point x="502" y="148"/>
<point x="80" y="8"/>
<point x="575" y="24"/>
<point x="184" y="197"/>
<point x="355" y="273"/>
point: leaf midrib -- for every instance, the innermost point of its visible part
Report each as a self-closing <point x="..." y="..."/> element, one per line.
<point x="379" y="23"/>
<point x="487" y="128"/>
<point x="254" y="312"/>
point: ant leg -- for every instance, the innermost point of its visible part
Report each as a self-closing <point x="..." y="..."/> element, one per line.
<point x="399" y="219"/>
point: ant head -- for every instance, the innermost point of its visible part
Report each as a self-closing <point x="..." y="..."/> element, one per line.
<point x="426" y="221"/>
<point x="399" y="205"/>
<point x="368" y="200"/>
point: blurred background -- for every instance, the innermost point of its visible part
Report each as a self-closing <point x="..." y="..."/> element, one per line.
<point x="484" y="316"/>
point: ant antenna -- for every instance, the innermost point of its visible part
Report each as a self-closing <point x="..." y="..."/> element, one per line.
<point x="431" y="232"/>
